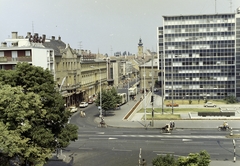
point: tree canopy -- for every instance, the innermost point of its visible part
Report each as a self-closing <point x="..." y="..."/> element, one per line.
<point x="193" y="159"/>
<point x="110" y="99"/>
<point x="33" y="115"/>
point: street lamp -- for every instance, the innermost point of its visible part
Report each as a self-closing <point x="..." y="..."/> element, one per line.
<point x="172" y="79"/>
<point x="234" y="150"/>
<point x="100" y="108"/>
<point x="144" y="93"/>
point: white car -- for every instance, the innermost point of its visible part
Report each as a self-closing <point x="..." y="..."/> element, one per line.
<point x="210" y="104"/>
<point x="83" y="104"/>
<point x="73" y="109"/>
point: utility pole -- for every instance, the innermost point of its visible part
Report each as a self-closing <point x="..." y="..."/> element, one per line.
<point x="144" y="94"/>
<point x="152" y="97"/>
<point x="162" y="82"/>
<point x="234" y="150"/>
<point x="172" y="79"/>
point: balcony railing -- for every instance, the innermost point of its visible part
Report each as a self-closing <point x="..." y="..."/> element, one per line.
<point x="17" y="59"/>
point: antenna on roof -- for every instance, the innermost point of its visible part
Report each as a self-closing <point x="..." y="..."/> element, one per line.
<point x="32" y="27"/>
<point x="215" y="6"/>
<point x="230" y="5"/>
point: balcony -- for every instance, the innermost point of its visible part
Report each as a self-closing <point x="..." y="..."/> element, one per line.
<point x="3" y="59"/>
<point x="17" y="59"/>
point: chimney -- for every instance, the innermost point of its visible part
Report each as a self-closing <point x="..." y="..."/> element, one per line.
<point x="59" y="38"/>
<point x="4" y="44"/>
<point x="28" y="34"/>
<point x="14" y="35"/>
<point x="43" y="38"/>
<point x="53" y="37"/>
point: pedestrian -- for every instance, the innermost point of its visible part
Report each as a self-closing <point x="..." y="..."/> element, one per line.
<point x="173" y="123"/>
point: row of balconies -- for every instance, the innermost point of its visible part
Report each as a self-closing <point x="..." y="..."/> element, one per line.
<point x="11" y="59"/>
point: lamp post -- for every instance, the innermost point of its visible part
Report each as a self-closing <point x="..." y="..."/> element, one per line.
<point x="162" y="81"/>
<point x="234" y="150"/>
<point x="100" y="108"/>
<point x="128" y="88"/>
<point x="172" y="79"/>
<point x="144" y="93"/>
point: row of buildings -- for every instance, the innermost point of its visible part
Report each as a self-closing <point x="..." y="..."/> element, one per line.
<point x="77" y="73"/>
<point x="198" y="57"/>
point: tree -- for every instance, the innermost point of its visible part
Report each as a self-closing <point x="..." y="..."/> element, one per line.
<point x="33" y="108"/>
<point x="195" y="159"/>
<point x="167" y="160"/>
<point x="110" y="99"/>
<point x="231" y="99"/>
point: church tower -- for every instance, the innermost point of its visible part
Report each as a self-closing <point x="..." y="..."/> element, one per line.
<point x="140" y="48"/>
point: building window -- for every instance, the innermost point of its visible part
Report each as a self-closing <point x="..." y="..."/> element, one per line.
<point x="27" y="53"/>
<point x="1" y="54"/>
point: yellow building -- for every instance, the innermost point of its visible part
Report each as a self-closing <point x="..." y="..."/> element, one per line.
<point x="94" y="73"/>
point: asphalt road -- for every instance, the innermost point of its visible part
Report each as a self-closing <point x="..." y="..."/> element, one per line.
<point x="117" y="146"/>
<point x="121" y="146"/>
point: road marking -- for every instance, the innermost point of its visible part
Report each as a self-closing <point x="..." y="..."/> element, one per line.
<point x="121" y="150"/>
<point x="100" y="132"/>
<point x="186" y="140"/>
<point x="154" y="141"/>
<point x="163" y="137"/>
<point x="171" y="139"/>
<point x="112" y="138"/>
<point x="193" y="142"/>
<point x="163" y="152"/>
<point x="85" y="148"/>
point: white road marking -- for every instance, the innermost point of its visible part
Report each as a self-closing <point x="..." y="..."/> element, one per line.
<point x="100" y="133"/>
<point x="112" y="138"/>
<point x="186" y="140"/>
<point x="121" y="150"/>
<point x="85" y="148"/>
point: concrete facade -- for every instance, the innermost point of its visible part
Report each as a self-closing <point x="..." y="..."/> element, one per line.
<point x="199" y="56"/>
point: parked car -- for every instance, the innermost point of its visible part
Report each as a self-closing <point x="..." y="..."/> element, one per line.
<point x="73" y="109"/>
<point x="90" y="101"/>
<point x="210" y="104"/>
<point x="170" y="105"/>
<point x="83" y="104"/>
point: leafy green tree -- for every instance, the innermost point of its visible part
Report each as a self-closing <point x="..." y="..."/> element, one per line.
<point x="231" y="99"/>
<point x="110" y="99"/>
<point x="33" y="108"/>
<point x="195" y="159"/>
<point x="167" y="160"/>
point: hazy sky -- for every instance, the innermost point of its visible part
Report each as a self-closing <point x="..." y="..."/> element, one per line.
<point x="105" y="25"/>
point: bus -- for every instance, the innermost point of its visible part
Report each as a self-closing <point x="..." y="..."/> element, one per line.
<point x="123" y="98"/>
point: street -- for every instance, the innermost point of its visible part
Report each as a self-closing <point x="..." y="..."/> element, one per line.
<point x="121" y="146"/>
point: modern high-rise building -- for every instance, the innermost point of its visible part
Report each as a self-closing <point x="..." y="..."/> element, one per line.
<point x="199" y="56"/>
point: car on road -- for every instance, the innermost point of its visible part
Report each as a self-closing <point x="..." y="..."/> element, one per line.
<point x="73" y="109"/>
<point x="210" y="104"/>
<point x="83" y="104"/>
<point x="90" y="101"/>
<point x="170" y="105"/>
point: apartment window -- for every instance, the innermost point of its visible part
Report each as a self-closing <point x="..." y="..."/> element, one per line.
<point x="27" y="53"/>
<point x="1" y="54"/>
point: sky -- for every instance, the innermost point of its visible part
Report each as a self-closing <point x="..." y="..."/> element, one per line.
<point x="104" y="26"/>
